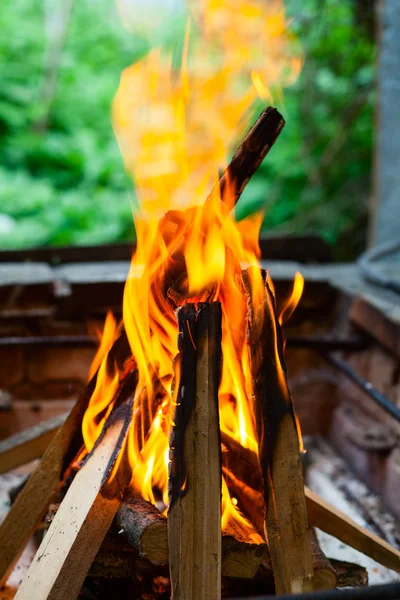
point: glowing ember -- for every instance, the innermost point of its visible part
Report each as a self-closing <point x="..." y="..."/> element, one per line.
<point x="176" y="127"/>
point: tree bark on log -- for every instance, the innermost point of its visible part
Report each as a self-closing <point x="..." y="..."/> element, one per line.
<point x="194" y="516"/>
<point x="144" y="527"/>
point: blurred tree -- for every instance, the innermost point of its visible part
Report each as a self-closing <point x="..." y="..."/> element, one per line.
<point x="62" y="180"/>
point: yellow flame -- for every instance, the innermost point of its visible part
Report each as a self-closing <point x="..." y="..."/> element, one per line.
<point x="107" y="339"/>
<point x="290" y="306"/>
<point x="176" y="126"/>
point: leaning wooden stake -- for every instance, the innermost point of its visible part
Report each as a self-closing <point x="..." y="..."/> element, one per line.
<point x="33" y="501"/>
<point x="32" y="443"/>
<point x="336" y="523"/>
<point x="83" y="519"/>
<point x="286" y="515"/>
<point x="194" y="518"/>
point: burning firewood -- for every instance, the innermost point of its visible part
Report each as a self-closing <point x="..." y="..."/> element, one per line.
<point x="85" y="515"/>
<point x="34" y="499"/>
<point x="140" y="526"/>
<point x="250" y="154"/>
<point x="278" y="450"/>
<point x="194" y="517"/>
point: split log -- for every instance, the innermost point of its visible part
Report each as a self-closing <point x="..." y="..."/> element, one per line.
<point x="32" y="443"/>
<point x="33" y="501"/>
<point x="279" y="454"/>
<point x="194" y="517"/>
<point x="83" y="519"/>
<point x="243" y="550"/>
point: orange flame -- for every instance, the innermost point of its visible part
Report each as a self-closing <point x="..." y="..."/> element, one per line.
<point x="176" y="128"/>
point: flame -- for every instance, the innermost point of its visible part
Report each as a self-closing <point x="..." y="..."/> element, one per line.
<point x="291" y="304"/>
<point x="176" y="125"/>
<point x="107" y="338"/>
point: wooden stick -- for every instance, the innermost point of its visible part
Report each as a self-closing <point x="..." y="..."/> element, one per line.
<point x="248" y="157"/>
<point x="33" y="501"/>
<point x="278" y="447"/>
<point x="84" y="517"/>
<point x="194" y="517"/>
<point x="336" y="523"/>
<point x="23" y="447"/>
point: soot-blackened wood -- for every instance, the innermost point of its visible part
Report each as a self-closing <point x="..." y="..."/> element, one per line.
<point x="258" y="142"/>
<point x="278" y="448"/>
<point x="194" y="517"/>
<point x="84" y="517"/>
<point x="246" y="160"/>
<point x="33" y="501"/>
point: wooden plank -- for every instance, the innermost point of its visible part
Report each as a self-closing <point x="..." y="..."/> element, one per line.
<point x="194" y="517"/>
<point x="23" y="447"/>
<point x="83" y="519"/>
<point x="33" y="501"/>
<point x="278" y="450"/>
<point x="327" y="518"/>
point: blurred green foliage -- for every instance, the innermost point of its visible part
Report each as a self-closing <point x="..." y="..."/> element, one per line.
<point x="61" y="176"/>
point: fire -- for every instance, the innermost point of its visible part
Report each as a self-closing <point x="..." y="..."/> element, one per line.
<point x="176" y="123"/>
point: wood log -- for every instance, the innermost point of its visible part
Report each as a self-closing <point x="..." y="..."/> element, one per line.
<point x="349" y="574"/>
<point x="194" y="517"/>
<point x="32" y="443"/>
<point x="33" y="501"/>
<point x="325" y="577"/>
<point x="279" y="454"/>
<point x="140" y="529"/>
<point x="83" y="519"/>
<point x="144" y="527"/>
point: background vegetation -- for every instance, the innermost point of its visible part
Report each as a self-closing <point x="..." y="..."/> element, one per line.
<point x="61" y="175"/>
